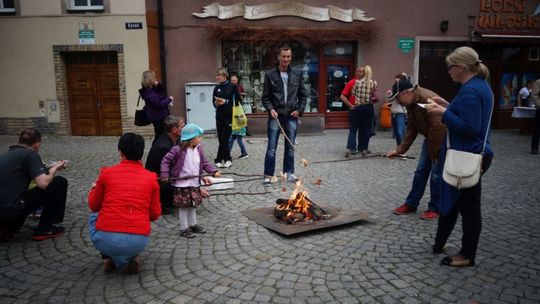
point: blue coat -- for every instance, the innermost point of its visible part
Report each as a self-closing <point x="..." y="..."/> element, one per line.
<point x="156" y="102"/>
<point x="467" y="120"/>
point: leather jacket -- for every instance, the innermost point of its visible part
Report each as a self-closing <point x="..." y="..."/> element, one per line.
<point x="273" y="99"/>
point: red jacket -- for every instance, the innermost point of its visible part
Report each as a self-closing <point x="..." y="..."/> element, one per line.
<point x="126" y="197"/>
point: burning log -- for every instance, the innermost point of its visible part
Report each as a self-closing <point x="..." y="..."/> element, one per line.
<point x="299" y="209"/>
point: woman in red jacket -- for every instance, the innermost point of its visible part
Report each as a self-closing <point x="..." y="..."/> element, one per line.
<point x="124" y="199"/>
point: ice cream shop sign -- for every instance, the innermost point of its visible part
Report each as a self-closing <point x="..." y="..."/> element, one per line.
<point x="510" y="15"/>
<point x="274" y="9"/>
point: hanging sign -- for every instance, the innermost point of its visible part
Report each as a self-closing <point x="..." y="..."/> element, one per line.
<point x="268" y="10"/>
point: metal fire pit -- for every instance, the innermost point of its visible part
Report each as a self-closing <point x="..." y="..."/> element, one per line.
<point x="265" y="217"/>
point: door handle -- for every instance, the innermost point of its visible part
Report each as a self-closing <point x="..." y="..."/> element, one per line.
<point x="188" y="110"/>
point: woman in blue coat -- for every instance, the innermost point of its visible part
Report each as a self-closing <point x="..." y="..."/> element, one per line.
<point x="467" y="119"/>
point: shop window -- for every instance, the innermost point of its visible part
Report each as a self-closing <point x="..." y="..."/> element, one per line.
<point x="7" y="6"/>
<point x="250" y="62"/>
<point x="84" y="5"/>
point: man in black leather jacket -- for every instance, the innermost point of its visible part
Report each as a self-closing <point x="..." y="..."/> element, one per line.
<point x="173" y="126"/>
<point x="278" y="83"/>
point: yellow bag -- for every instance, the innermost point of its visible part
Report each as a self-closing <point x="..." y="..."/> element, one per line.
<point x="239" y="120"/>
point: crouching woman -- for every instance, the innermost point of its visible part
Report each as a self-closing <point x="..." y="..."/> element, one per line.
<point x="124" y="200"/>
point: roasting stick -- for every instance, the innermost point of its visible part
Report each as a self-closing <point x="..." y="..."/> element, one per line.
<point x="317" y="180"/>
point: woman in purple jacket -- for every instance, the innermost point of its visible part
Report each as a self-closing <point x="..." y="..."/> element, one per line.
<point x="156" y="100"/>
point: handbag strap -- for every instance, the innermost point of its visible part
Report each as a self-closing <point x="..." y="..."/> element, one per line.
<point x="139" y="99"/>
<point x="487" y="130"/>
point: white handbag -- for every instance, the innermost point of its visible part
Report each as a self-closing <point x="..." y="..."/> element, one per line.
<point x="463" y="169"/>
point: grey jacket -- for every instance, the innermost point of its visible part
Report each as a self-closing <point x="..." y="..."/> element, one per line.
<point x="273" y="99"/>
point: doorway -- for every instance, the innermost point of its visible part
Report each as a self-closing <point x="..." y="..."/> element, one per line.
<point x="335" y="74"/>
<point x="93" y="92"/>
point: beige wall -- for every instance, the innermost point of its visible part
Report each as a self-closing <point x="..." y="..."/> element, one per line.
<point x="27" y="56"/>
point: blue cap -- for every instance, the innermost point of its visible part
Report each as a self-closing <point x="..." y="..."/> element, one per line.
<point x="191" y="131"/>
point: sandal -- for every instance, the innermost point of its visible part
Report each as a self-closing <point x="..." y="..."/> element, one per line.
<point x="448" y="261"/>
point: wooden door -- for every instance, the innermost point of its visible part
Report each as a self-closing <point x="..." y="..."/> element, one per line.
<point x="94" y="99"/>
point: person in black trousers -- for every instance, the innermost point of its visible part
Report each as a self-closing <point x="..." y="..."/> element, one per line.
<point x="225" y="94"/>
<point x="173" y="126"/>
<point x="18" y="167"/>
<point x="535" y="97"/>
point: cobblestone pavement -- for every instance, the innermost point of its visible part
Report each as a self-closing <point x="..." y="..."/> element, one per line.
<point x="386" y="259"/>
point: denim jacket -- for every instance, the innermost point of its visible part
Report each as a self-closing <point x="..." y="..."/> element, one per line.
<point x="273" y="91"/>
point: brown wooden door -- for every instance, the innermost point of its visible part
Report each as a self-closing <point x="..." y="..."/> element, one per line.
<point x="94" y="99"/>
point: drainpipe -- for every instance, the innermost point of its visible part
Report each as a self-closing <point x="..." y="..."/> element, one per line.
<point x="161" y="30"/>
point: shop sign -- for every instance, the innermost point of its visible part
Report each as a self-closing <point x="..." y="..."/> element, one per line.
<point x="406" y="44"/>
<point x="268" y="10"/>
<point x="86" y="33"/>
<point x="507" y="15"/>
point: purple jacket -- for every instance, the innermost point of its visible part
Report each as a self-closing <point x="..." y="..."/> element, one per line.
<point x="173" y="161"/>
<point x="156" y="102"/>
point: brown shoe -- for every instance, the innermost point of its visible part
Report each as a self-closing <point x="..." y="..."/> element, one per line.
<point x="134" y="266"/>
<point x="108" y="265"/>
<point x="450" y="261"/>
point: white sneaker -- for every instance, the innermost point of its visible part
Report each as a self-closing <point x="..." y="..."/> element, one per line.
<point x="219" y="165"/>
<point x="291" y="177"/>
<point x="227" y="164"/>
<point x="267" y="181"/>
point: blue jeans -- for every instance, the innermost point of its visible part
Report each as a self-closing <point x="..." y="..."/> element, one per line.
<point x="120" y="247"/>
<point x="360" y="121"/>
<point x="421" y="175"/>
<point x="238" y="138"/>
<point x="399" y="121"/>
<point x="290" y="125"/>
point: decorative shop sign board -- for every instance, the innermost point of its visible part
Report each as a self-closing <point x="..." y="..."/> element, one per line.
<point x="406" y="44"/>
<point x="268" y="10"/>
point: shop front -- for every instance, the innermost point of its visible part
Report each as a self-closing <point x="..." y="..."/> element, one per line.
<point x="329" y="41"/>
<point x="326" y="44"/>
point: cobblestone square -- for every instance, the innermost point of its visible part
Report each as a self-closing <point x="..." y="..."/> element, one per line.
<point x="386" y="259"/>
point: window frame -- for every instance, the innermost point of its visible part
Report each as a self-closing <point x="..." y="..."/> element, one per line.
<point x="70" y="6"/>
<point x="3" y="9"/>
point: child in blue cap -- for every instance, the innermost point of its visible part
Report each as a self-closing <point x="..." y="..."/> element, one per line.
<point x="183" y="166"/>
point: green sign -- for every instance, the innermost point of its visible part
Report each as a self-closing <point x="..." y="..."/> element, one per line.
<point x="86" y="36"/>
<point x="406" y="44"/>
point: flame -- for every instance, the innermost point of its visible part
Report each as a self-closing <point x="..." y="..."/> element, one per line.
<point x="298" y="202"/>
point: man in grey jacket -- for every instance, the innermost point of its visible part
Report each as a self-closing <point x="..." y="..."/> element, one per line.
<point x="284" y="98"/>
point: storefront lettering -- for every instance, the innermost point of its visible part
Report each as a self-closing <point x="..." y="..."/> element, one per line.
<point x="506" y="15"/>
<point x="502" y="6"/>
<point x="268" y="10"/>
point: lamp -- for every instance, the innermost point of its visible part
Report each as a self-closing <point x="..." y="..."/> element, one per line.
<point x="444" y="26"/>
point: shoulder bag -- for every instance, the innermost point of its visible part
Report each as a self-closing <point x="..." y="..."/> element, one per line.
<point x="140" y="115"/>
<point x="462" y="169"/>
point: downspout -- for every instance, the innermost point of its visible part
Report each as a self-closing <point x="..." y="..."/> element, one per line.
<point x="161" y="31"/>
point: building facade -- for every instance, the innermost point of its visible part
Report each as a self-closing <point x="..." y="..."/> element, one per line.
<point x="330" y="40"/>
<point x="71" y="67"/>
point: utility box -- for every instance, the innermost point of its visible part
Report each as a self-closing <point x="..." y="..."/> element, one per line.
<point x="199" y="107"/>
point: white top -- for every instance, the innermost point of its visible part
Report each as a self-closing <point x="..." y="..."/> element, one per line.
<point x="397" y="108"/>
<point x="285" y="79"/>
<point x="190" y="168"/>
<point x="525" y="93"/>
